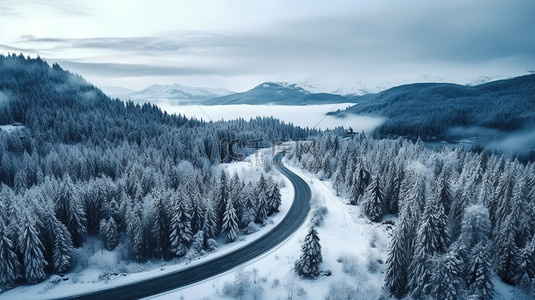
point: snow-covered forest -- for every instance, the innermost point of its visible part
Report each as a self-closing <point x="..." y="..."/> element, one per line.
<point x="79" y="164"/>
<point x="463" y="217"/>
<point x="76" y="164"/>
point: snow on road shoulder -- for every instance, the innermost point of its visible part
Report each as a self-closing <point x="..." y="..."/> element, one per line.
<point x="105" y="269"/>
<point x="353" y="249"/>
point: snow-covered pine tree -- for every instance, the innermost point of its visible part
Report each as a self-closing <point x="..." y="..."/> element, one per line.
<point x="261" y="200"/>
<point x="326" y="168"/>
<point x="32" y="251"/>
<point x="161" y="227"/>
<point x="111" y="236"/>
<point x="507" y="251"/>
<point x="308" y="264"/>
<point x="9" y="264"/>
<point x="181" y="234"/>
<point x="209" y="224"/>
<point x="397" y="263"/>
<point x="432" y="239"/>
<point x="250" y="206"/>
<point x="373" y="205"/>
<point x="446" y="281"/>
<point x="274" y="199"/>
<point x="198" y="242"/>
<point x="229" y="228"/>
<point x="475" y="226"/>
<point x="479" y="280"/>
<point x="62" y="251"/>
<point x="221" y="198"/>
<point x="70" y="211"/>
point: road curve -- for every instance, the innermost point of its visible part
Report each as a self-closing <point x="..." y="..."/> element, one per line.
<point x="292" y="221"/>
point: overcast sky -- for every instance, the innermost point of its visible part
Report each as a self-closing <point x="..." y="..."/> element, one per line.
<point x="237" y="44"/>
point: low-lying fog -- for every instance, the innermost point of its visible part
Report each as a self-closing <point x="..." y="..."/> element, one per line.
<point x="312" y="116"/>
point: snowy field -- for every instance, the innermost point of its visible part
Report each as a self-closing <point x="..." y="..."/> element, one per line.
<point x="312" y="116"/>
<point x="101" y="261"/>
<point x="353" y="249"/>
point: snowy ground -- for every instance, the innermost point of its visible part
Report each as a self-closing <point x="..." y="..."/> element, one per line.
<point x="345" y="234"/>
<point x="100" y="260"/>
<point x="312" y="116"/>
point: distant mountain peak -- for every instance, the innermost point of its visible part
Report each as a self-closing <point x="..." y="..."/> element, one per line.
<point x="175" y="91"/>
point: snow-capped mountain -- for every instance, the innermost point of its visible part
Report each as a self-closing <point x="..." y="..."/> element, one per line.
<point x="174" y="92"/>
<point x="280" y="93"/>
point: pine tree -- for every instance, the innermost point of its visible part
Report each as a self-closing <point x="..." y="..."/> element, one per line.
<point x="9" y="264"/>
<point x="209" y="224"/>
<point x="308" y="264"/>
<point x="432" y="239"/>
<point x="62" y="252"/>
<point x="479" y="279"/>
<point x="161" y="227"/>
<point x="32" y="252"/>
<point x="274" y="200"/>
<point x="475" y="226"/>
<point x="108" y="231"/>
<point x="249" y="206"/>
<point x="70" y="211"/>
<point x="446" y="280"/>
<point x="230" y="223"/>
<point x="507" y="251"/>
<point x="261" y="202"/>
<point x="181" y="234"/>
<point x="396" y="278"/>
<point x="393" y="194"/>
<point x="374" y="201"/>
<point x="221" y="198"/>
<point x="326" y="168"/>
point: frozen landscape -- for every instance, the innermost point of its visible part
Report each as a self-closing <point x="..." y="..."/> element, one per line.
<point x="267" y="150"/>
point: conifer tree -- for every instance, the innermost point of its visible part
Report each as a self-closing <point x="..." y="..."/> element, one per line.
<point x="62" y="251"/>
<point x="274" y="200"/>
<point x="9" y="264"/>
<point x="308" y="264"/>
<point x="32" y="252"/>
<point x="479" y="279"/>
<point x="507" y="251"/>
<point x="373" y="205"/>
<point x="446" y="280"/>
<point x="209" y="223"/>
<point x="396" y="278"/>
<point x="181" y="234"/>
<point x="230" y="223"/>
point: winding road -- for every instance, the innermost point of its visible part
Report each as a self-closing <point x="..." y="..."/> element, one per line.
<point x="155" y="285"/>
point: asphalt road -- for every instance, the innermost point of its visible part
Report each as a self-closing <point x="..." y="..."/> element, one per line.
<point x="294" y="219"/>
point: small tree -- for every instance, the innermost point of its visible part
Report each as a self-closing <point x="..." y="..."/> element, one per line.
<point x="308" y="264"/>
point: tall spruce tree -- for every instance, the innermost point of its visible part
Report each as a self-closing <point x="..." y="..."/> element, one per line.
<point x="373" y="205"/>
<point x="32" y="251"/>
<point x="10" y="267"/>
<point x="230" y="223"/>
<point x="308" y="264"/>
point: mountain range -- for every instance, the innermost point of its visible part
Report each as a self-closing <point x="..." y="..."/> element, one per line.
<point x="279" y="93"/>
<point x="173" y="92"/>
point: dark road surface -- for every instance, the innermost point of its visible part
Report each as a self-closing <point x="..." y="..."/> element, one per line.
<point x="156" y="285"/>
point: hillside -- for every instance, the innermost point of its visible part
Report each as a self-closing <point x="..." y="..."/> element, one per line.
<point x="278" y="93"/>
<point x="76" y="166"/>
<point x="443" y="109"/>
